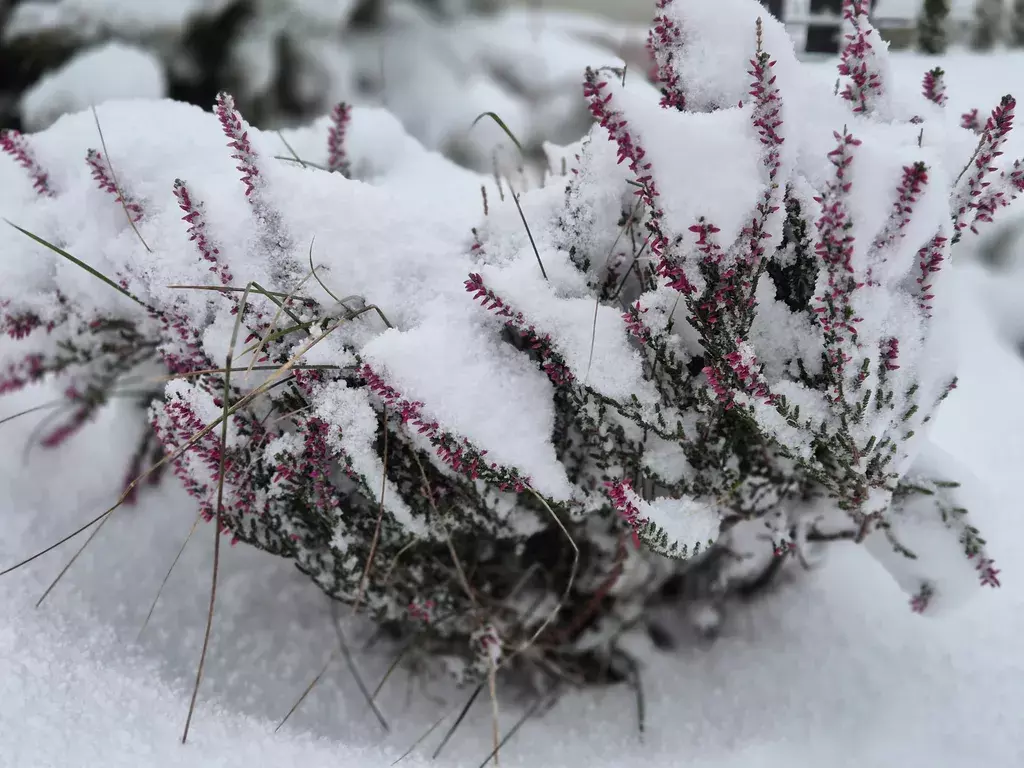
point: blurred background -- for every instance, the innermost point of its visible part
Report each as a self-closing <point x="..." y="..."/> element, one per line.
<point x="628" y="10"/>
<point x="436" y="64"/>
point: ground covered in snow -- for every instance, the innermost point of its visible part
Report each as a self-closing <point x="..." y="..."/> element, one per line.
<point x="831" y="669"/>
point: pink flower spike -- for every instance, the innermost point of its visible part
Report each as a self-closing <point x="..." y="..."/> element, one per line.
<point x="912" y="183"/>
<point x="197" y="231"/>
<point x="235" y="130"/>
<point x="421" y="610"/>
<point x="988" y="574"/>
<point x="105" y="180"/>
<point x="833" y="309"/>
<point x="624" y="501"/>
<point x="974" y="202"/>
<point x="16" y="145"/>
<point x="890" y="353"/>
<point x="971" y="121"/>
<point x="919" y="602"/>
<point x="930" y="259"/>
<point x="663" y="42"/>
<point x="337" y="156"/>
<point x="934" y="86"/>
<point x="456" y="452"/>
<point x="859" y="60"/>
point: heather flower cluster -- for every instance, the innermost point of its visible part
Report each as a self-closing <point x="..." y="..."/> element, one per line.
<point x="465" y="446"/>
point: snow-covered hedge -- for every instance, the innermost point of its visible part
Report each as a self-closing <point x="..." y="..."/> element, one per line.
<point x="435" y="64"/>
<point x="503" y="419"/>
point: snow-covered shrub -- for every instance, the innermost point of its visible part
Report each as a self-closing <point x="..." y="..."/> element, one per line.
<point x="932" y="34"/>
<point x="1017" y="24"/>
<point x="435" y="65"/>
<point x="507" y="421"/>
<point x="989" y="18"/>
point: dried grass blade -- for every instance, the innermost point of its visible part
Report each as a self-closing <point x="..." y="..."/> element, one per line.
<point x="458" y="722"/>
<point x="534" y="708"/>
<point x="71" y="562"/>
<point x="219" y="518"/>
<point x="181" y="550"/>
<point x="351" y="664"/>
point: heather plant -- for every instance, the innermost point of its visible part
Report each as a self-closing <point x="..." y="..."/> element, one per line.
<point x="506" y="422"/>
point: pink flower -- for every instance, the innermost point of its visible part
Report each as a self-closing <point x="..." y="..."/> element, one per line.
<point x="104" y="178"/>
<point x="934" y="87"/>
<point x="930" y="259"/>
<point x="337" y="157"/>
<point x="623" y="500"/>
<point x="233" y="127"/>
<point x="197" y="231"/>
<point x="974" y="195"/>
<point x="890" y="353"/>
<point x="858" y="59"/>
<point x="663" y="40"/>
<point x="912" y="183"/>
<point x="971" y="121"/>
<point x="15" y="145"/>
<point x="421" y="610"/>
<point x="919" y="602"/>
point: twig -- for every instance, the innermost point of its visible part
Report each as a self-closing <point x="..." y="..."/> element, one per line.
<point x="492" y="685"/>
<point x="391" y="668"/>
<point x="569" y="584"/>
<point x="447" y="534"/>
<point x="282" y="307"/>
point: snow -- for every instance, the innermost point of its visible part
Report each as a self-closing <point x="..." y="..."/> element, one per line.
<point x="959" y="10"/>
<point x="683" y="520"/>
<point x="477" y="386"/>
<point x="830" y="669"/>
<point x="591" y="337"/>
<point x="87" y="19"/>
<point x="90" y="77"/>
<point x="719" y="148"/>
<point x="350" y="411"/>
